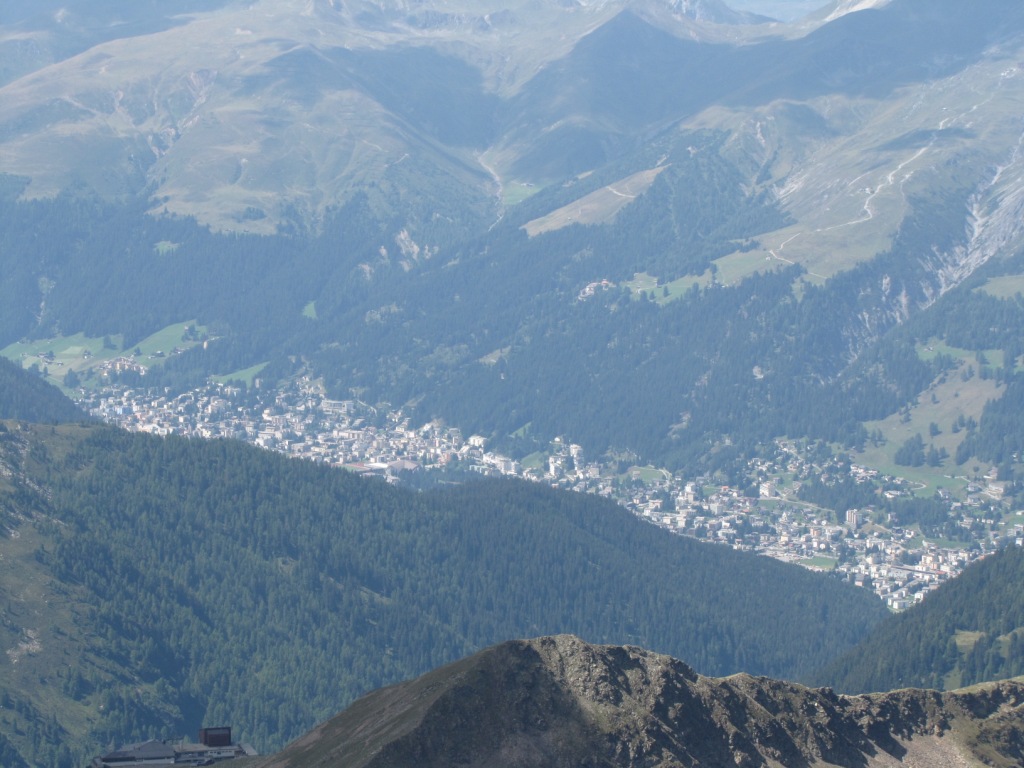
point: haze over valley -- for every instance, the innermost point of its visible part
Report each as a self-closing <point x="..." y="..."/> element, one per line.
<point x="510" y="281"/>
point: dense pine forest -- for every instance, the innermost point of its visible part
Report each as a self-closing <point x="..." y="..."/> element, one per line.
<point x="211" y="581"/>
<point x="969" y="631"/>
<point x="26" y="397"/>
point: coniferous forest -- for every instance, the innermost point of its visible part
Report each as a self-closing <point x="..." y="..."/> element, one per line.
<point x="683" y="246"/>
<point x="28" y="398"/>
<point x="211" y="581"/>
<point x="969" y="631"/>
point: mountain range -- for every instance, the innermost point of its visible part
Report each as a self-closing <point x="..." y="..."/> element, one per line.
<point x="787" y="219"/>
<point x="236" y="113"/>
<point x="664" y="230"/>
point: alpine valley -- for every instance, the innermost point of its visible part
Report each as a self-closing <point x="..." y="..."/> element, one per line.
<point x="685" y="240"/>
<point x="793" y="229"/>
<point x="153" y="585"/>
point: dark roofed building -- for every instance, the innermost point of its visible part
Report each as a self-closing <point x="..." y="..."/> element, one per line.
<point x="150" y="752"/>
<point x="215" y="746"/>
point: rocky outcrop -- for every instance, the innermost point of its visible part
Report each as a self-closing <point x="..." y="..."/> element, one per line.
<point x="558" y="701"/>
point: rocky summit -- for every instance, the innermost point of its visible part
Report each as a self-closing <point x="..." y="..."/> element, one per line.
<point x="559" y="701"/>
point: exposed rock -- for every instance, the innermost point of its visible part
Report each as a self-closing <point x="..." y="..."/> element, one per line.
<point x="558" y="701"/>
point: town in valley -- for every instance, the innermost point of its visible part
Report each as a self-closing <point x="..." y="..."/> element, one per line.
<point x="862" y="545"/>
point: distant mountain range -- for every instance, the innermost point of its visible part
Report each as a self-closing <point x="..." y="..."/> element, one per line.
<point x="802" y="229"/>
<point x="226" y="110"/>
<point x="561" y="701"/>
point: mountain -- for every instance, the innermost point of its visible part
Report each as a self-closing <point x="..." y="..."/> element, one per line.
<point x="561" y="701"/>
<point x="151" y="586"/>
<point x="970" y="630"/>
<point x="802" y="230"/>
<point x="244" y="117"/>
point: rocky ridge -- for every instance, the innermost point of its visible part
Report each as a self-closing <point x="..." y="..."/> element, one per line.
<point x="559" y="701"/>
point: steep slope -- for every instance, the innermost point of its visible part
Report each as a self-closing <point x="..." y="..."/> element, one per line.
<point x="220" y="109"/>
<point x="250" y="117"/>
<point x="902" y="130"/>
<point x="969" y="631"/>
<point x="38" y="33"/>
<point x="155" y="585"/>
<point x="560" y="701"/>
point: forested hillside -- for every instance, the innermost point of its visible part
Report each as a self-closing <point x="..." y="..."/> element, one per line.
<point x="25" y="396"/>
<point x="740" y="234"/>
<point x="192" y="582"/>
<point x="671" y="370"/>
<point x="969" y="631"/>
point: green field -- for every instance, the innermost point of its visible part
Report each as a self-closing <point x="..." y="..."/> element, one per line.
<point x="678" y="288"/>
<point x="515" y="192"/>
<point x="935" y="347"/>
<point x="523" y="431"/>
<point x="735" y="267"/>
<point x="309" y="310"/>
<point x="727" y="270"/>
<point x="647" y="475"/>
<point x="965" y="640"/>
<point x="166" y="340"/>
<point x="947" y="543"/>
<point x="664" y="293"/>
<point x="948" y="398"/>
<point x="823" y="563"/>
<point x="1005" y="287"/>
<point x="246" y="374"/>
<point x="85" y="354"/>
<point x="643" y="282"/>
<point x="537" y="460"/>
<point x="1015" y="519"/>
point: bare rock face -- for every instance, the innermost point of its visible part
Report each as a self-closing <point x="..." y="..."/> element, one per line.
<point x="558" y="701"/>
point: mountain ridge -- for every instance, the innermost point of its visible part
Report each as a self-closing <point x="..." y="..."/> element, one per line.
<point x="151" y="106"/>
<point x="561" y="701"/>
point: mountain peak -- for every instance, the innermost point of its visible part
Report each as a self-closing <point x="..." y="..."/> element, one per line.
<point x="559" y="700"/>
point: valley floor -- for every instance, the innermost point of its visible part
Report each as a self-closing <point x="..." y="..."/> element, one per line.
<point x="899" y="564"/>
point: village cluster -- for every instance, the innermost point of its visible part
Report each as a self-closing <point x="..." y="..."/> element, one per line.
<point x="297" y="419"/>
